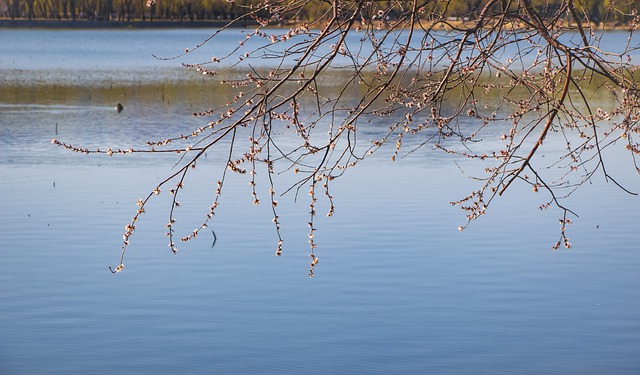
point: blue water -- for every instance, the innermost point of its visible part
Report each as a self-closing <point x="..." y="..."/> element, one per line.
<point x="90" y="56"/>
<point x="398" y="288"/>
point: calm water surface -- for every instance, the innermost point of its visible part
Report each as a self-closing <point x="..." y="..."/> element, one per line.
<point x="398" y="289"/>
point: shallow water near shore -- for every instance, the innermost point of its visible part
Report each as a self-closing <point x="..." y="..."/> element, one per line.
<point x="398" y="288"/>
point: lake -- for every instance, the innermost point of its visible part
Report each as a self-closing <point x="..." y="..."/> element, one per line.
<point x="398" y="288"/>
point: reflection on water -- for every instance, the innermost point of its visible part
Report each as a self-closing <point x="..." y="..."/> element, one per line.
<point x="398" y="289"/>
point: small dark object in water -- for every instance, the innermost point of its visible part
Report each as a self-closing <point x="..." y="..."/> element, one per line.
<point x="119" y="107"/>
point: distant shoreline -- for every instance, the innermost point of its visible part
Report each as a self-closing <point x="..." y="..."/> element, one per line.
<point x="168" y="24"/>
<point x="103" y="24"/>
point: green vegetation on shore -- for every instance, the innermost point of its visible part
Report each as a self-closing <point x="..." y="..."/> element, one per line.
<point x="596" y="11"/>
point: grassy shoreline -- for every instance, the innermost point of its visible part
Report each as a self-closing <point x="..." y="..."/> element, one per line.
<point x="163" y="23"/>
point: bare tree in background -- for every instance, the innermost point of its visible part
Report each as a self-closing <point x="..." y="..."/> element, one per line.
<point x="443" y="83"/>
